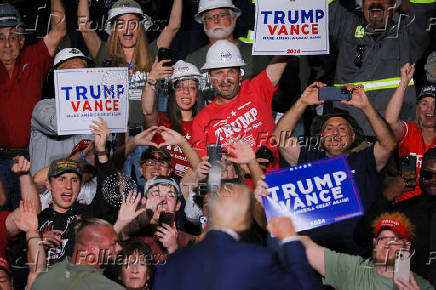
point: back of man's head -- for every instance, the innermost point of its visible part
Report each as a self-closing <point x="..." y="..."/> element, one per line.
<point x="94" y="237"/>
<point x="231" y="208"/>
<point x="91" y="230"/>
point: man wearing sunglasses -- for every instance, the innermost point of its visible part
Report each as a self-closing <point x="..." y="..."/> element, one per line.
<point x="374" y="44"/>
<point x="421" y="210"/>
<point x="391" y="232"/>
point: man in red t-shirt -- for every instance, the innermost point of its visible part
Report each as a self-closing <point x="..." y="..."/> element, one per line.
<point x="414" y="138"/>
<point x="22" y="73"/>
<point x="240" y="111"/>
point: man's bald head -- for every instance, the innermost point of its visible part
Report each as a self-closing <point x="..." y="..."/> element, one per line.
<point x="94" y="236"/>
<point x="231" y="208"/>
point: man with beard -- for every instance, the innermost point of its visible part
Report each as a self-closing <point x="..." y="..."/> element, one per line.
<point x="391" y="232"/>
<point x="414" y="138"/>
<point x="218" y="18"/>
<point x="373" y="46"/>
<point x="240" y="111"/>
<point x="96" y="245"/>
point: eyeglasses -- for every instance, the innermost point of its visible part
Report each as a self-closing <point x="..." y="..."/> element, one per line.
<point x="159" y="162"/>
<point x="388" y="240"/>
<point x="358" y="61"/>
<point x="220" y="16"/>
<point x="170" y="194"/>
<point x="426" y="174"/>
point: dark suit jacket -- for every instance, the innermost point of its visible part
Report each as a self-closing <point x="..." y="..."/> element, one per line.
<point x="221" y="263"/>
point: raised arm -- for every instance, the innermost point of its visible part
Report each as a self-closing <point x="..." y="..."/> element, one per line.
<point x="142" y="139"/>
<point x="28" y="189"/>
<point x="394" y="106"/>
<point x="171" y="137"/>
<point x="58" y="26"/>
<point x="148" y="100"/>
<point x="167" y="35"/>
<point x="91" y="38"/>
<point x="385" y="143"/>
<point x="276" y="68"/>
<point x="242" y="153"/>
<point x="315" y="254"/>
<point x="287" y="123"/>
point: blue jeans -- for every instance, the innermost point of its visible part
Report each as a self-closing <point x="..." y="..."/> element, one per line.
<point x="133" y="159"/>
<point x="11" y="185"/>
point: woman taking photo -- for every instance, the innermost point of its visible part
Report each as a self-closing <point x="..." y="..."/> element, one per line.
<point x="184" y="102"/>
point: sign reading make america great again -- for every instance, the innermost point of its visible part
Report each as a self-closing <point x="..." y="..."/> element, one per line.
<point x="297" y="27"/>
<point x="83" y="95"/>
<point x="313" y="194"/>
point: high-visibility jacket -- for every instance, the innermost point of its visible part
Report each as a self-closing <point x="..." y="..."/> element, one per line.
<point x="382" y="54"/>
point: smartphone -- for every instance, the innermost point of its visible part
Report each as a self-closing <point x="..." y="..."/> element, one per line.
<point x="334" y="94"/>
<point x="215" y="154"/>
<point x="402" y="265"/>
<point x="164" y="54"/>
<point x="408" y="164"/>
<point x="166" y="218"/>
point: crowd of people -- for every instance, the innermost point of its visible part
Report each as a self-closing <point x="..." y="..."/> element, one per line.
<point x="176" y="201"/>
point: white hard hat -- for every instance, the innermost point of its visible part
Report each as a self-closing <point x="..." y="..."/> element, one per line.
<point x="70" y="53"/>
<point x="184" y="69"/>
<point x="127" y="7"/>
<point x="223" y="53"/>
<point x="214" y="4"/>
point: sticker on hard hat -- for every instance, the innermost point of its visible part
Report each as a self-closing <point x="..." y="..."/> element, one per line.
<point x="75" y="51"/>
<point x="226" y="55"/>
<point x="184" y="69"/>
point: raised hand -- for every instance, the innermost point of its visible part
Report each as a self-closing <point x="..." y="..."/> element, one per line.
<point x="170" y="136"/>
<point x="146" y="137"/>
<point x="27" y="217"/>
<point x="128" y="212"/>
<point x="309" y="96"/>
<point x="404" y="285"/>
<point x="101" y="133"/>
<point x="407" y="72"/>
<point x="52" y="238"/>
<point x="203" y="168"/>
<point x="21" y="165"/>
<point x="167" y="235"/>
<point x="359" y="99"/>
<point x="159" y="71"/>
<point x="240" y="153"/>
<point x="261" y="190"/>
<point x="281" y="227"/>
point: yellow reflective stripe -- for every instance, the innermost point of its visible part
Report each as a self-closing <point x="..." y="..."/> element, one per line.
<point x="247" y="39"/>
<point x="360" y="32"/>
<point x="390" y="83"/>
<point x="423" y="1"/>
<point x="253" y="1"/>
<point x="330" y="1"/>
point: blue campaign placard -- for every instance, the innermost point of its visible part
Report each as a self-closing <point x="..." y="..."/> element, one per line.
<point x="314" y="194"/>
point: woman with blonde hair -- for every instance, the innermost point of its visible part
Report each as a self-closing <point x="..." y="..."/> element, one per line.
<point x="127" y="46"/>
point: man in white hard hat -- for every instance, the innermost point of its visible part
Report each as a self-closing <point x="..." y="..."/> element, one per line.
<point x="45" y="145"/>
<point x="22" y="71"/>
<point x="219" y="20"/>
<point x="240" y="110"/>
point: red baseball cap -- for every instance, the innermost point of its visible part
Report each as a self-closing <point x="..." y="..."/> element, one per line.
<point x="391" y="224"/>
